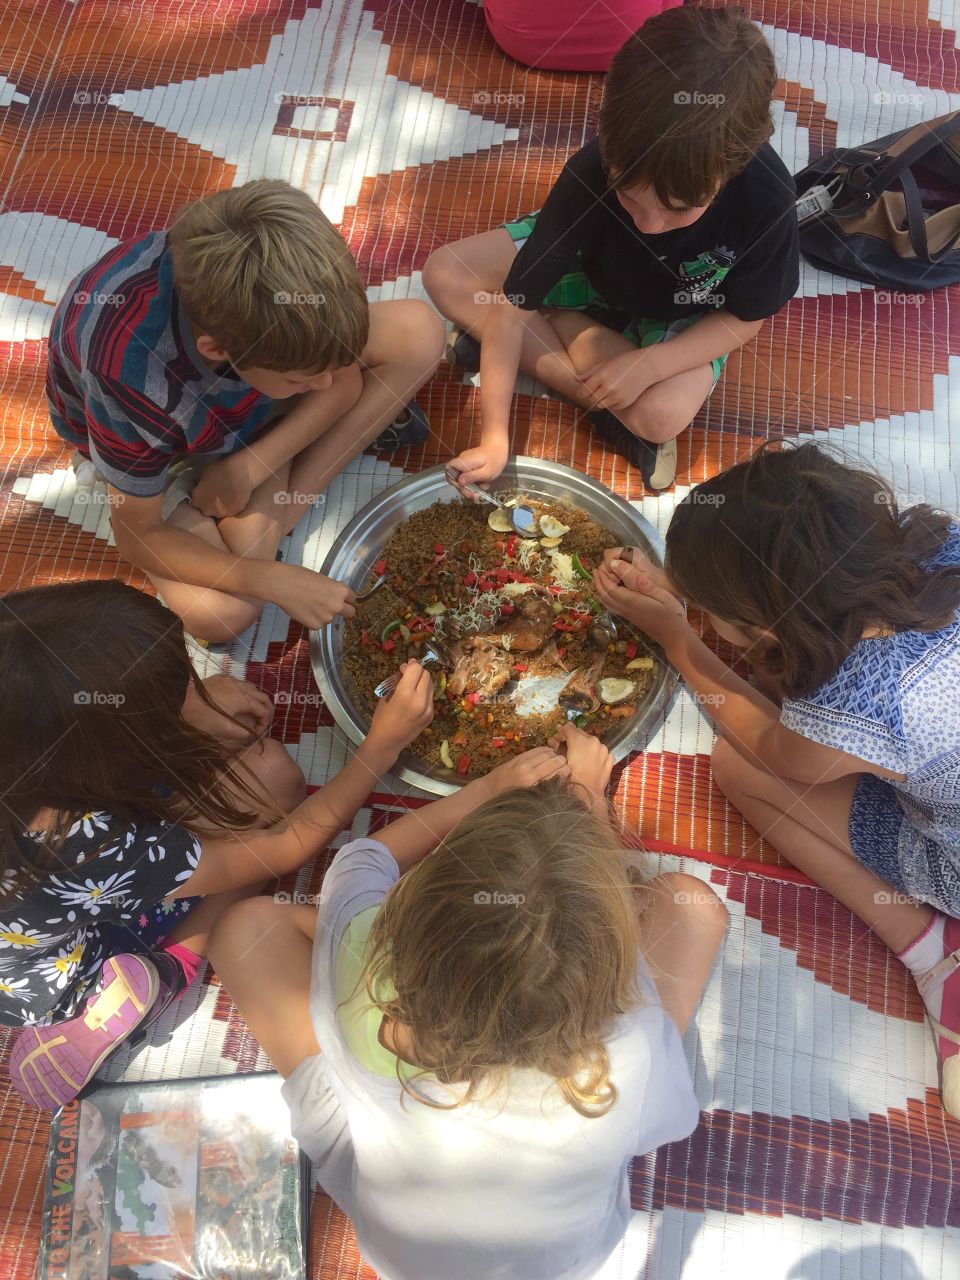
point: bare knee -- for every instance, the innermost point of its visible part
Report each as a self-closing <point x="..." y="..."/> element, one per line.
<point x="410" y="336"/>
<point x="218" y="619"/>
<point x="241" y="921"/>
<point x="655" y="416"/>
<point x="426" y="336"/>
<point x="695" y="900"/>
<point x="445" y="278"/>
<point x="279" y="774"/>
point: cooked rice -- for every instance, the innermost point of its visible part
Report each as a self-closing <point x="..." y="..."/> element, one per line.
<point x="421" y="576"/>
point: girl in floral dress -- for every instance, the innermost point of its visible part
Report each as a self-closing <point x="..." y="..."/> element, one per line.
<point x="847" y="608"/>
<point x="138" y="802"/>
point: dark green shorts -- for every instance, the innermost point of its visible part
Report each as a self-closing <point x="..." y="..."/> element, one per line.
<point x="574" y="292"/>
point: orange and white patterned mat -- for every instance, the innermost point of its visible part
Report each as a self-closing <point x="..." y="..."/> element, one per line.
<point x="411" y="129"/>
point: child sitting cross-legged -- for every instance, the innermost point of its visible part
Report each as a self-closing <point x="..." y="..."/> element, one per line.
<point x="664" y="244"/>
<point x="849" y="610"/>
<point x="139" y="802"/>
<point x="479" y="1026"/>
<point x="218" y="375"/>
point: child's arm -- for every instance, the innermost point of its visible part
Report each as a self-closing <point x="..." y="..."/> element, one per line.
<point x="225" y="487"/>
<point x="747" y="719"/>
<point x="499" y="362"/>
<point x="235" y="860"/>
<point x="413" y="836"/>
<point x="145" y="540"/>
<point x="715" y="334"/>
<point x="618" y="382"/>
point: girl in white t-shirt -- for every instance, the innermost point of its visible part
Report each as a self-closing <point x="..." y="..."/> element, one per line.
<point x="480" y="1026"/>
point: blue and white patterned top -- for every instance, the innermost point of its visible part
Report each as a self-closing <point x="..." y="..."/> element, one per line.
<point x="895" y="701"/>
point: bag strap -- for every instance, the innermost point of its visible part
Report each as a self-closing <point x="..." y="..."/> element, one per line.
<point x="914" y="211"/>
<point x="871" y="173"/>
<point x="917" y="223"/>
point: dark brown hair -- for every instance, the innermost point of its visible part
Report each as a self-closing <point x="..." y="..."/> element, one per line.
<point x="687" y="104"/>
<point x="818" y="552"/>
<point x="94" y="679"/>
<point x="263" y="271"/>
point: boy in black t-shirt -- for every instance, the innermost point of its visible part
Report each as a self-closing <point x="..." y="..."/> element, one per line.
<point x="677" y="223"/>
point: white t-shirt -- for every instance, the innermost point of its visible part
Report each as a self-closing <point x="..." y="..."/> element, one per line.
<point x="520" y="1187"/>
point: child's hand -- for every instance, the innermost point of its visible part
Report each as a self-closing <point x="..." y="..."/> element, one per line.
<point x="225" y="487"/>
<point x="309" y="597"/>
<point x="616" y="383"/>
<point x="235" y="700"/>
<point x="480" y="464"/>
<point x="525" y="770"/>
<point x="634" y="556"/>
<point x="406" y="713"/>
<point x="590" y="762"/>
<point x="629" y="592"/>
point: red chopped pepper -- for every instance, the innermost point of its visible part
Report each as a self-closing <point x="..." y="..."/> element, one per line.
<point x="439" y="549"/>
<point x="364" y="638"/>
<point x="502" y="576"/>
<point x="388" y="646"/>
<point x="507" y="609"/>
<point x="512" y="544"/>
<point x="463" y="764"/>
<point x="562" y="650"/>
<point x="520" y="666"/>
<point x="380" y="567"/>
<point x="473" y="699"/>
<point x="452" y="697"/>
<point x="470" y="579"/>
<point x="630" y="652"/>
<point x="498" y="742"/>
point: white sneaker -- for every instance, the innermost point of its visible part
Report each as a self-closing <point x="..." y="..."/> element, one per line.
<point x="664" y="472"/>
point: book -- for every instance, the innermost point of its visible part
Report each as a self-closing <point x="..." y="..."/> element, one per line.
<point x="197" y="1179"/>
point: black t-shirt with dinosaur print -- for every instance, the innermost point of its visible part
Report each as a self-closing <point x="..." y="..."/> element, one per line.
<point x="741" y="254"/>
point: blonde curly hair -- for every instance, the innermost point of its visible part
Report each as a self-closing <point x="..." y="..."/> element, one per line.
<point x="513" y="945"/>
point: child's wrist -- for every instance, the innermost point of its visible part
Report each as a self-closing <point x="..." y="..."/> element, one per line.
<point x="378" y="750"/>
<point x="675" y="641"/>
<point x="495" y="436"/>
<point x="250" y="468"/>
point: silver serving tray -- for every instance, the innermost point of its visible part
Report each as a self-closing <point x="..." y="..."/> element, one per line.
<point x="358" y="546"/>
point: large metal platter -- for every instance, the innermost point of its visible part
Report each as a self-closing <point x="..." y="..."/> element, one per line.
<point x="360" y="543"/>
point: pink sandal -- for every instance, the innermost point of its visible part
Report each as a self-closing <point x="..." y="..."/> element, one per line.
<point x="946" y="974"/>
<point x="51" y="1065"/>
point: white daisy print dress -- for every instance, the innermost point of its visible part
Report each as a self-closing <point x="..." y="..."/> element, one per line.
<point x="106" y="892"/>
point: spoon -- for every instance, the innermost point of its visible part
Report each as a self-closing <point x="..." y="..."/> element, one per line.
<point x="435" y="656"/>
<point x="521" y="517"/>
<point x="371" y="590"/>
<point x="603" y="631"/>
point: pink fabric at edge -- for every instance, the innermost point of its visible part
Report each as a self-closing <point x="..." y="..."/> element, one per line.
<point x="567" y="35"/>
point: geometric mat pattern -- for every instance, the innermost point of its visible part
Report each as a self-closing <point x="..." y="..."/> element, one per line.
<point x="822" y="1151"/>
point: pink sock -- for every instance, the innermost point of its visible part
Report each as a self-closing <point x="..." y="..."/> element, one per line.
<point x="188" y="960"/>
